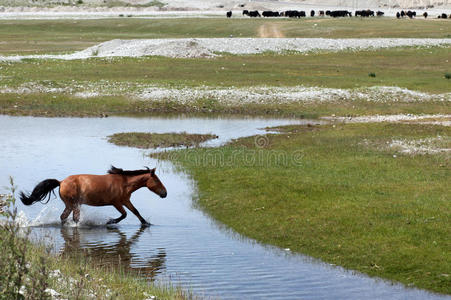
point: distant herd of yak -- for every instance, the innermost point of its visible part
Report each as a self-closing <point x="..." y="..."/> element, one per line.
<point x="331" y="13"/>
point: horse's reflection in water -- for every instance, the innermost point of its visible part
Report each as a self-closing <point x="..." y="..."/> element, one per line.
<point x="112" y="254"/>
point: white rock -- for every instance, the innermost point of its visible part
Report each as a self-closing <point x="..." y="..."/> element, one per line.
<point x="207" y="47"/>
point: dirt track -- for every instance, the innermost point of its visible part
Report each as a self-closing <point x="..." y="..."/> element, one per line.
<point x="270" y="30"/>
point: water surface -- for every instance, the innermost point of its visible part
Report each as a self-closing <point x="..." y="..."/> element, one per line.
<point x="183" y="245"/>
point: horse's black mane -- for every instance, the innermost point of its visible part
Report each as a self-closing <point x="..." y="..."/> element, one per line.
<point x="114" y="170"/>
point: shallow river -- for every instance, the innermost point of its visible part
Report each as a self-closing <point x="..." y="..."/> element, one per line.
<point x="184" y="245"/>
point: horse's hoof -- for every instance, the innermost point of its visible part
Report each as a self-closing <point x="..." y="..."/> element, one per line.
<point x="146" y="224"/>
<point x="111" y="221"/>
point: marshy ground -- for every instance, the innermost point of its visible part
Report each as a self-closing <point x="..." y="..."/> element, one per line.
<point x="348" y="194"/>
<point x="345" y="193"/>
<point x="159" y="140"/>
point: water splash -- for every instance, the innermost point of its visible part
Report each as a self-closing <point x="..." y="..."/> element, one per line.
<point x="49" y="216"/>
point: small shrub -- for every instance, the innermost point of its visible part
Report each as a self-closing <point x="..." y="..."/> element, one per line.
<point x="372" y="74"/>
<point x="448" y="75"/>
<point x="156" y="3"/>
<point x="23" y="275"/>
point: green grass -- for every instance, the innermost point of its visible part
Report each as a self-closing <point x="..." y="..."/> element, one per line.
<point x="417" y="69"/>
<point x="120" y="284"/>
<point x="420" y="69"/>
<point x="145" y="140"/>
<point x="82" y="277"/>
<point x="51" y="105"/>
<point x="44" y="36"/>
<point x="337" y="193"/>
<point x="328" y="192"/>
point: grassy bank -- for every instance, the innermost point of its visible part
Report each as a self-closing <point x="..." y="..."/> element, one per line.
<point x="50" y="87"/>
<point x="339" y="193"/>
<point x="78" y="278"/>
<point x="109" y="282"/>
<point x="45" y="36"/>
<point x="30" y="271"/>
<point x="68" y="106"/>
<point x="156" y="140"/>
<point x="421" y="69"/>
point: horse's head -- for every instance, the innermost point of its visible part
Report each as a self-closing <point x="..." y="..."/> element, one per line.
<point x="154" y="184"/>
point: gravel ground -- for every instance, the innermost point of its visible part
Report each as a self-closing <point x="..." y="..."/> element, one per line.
<point x="279" y="95"/>
<point x="33" y="13"/>
<point x="210" y="47"/>
<point x="211" y="8"/>
<point x="422" y="146"/>
<point x="443" y="120"/>
<point x="231" y="95"/>
<point x="431" y="145"/>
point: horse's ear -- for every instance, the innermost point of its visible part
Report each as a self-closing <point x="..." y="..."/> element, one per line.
<point x="152" y="171"/>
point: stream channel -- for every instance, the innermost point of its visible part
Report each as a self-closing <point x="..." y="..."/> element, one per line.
<point x="184" y="245"/>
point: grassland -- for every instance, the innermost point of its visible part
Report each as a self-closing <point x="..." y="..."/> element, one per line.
<point x="145" y="140"/>
<point x="66" y="106"/>
<point x="337" y="193"/>
<point x="420" y="69"/>
<point x="55" y="36"/>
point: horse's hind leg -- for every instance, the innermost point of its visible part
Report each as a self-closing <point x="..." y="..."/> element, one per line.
<point x="123" y="214"/>
<point x="65" y="214"/>
<point x="76" y="214"/>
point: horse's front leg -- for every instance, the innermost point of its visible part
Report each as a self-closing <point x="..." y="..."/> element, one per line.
<point x="123" y="215"/>
<point x="130" y="206"/>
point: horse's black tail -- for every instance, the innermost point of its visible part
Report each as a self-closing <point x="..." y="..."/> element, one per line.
<point x="41" y="191"/>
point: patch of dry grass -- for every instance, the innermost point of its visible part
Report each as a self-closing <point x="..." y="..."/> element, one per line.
<point x="159" y="140"/>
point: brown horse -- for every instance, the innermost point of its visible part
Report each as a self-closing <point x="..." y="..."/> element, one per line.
<point x="114" y="188"/>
